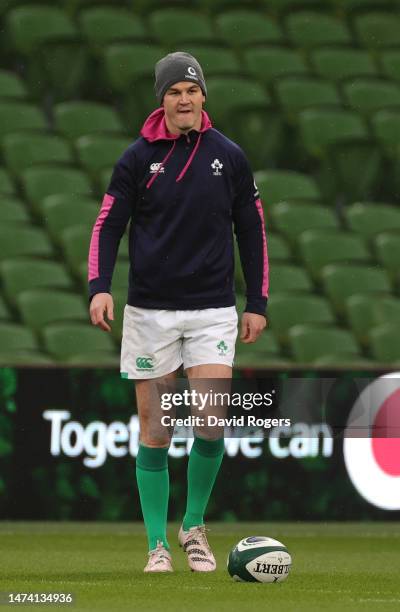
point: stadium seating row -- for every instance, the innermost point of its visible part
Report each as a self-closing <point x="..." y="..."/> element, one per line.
<point x="30" y="26"/>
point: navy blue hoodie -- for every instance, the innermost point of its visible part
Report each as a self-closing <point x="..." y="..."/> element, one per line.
<point x="184" y="194"/>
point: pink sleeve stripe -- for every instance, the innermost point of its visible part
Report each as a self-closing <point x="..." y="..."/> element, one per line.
<point x="93" y="263"/>
<point x="265" y="282"/>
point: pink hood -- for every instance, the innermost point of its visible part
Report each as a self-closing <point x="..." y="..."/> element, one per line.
<point x="155" y="128"/>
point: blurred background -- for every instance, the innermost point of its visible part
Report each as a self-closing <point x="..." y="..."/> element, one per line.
<point x="311" y="91"/>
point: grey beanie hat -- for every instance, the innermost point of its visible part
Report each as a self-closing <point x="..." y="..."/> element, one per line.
<point x="176" y="67"/>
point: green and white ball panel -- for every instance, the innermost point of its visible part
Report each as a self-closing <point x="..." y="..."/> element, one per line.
<point x="258" y="542"/>
<point x="259" y="559"/>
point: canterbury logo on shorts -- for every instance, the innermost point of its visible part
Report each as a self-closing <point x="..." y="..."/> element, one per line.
<point x="144" y="363"/>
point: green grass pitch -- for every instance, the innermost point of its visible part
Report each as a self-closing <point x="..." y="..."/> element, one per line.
<point x="336" y="566"/>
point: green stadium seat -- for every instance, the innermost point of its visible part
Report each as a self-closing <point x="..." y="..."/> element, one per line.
<point x="377" y="29"/>
<point x="39" y="307"/>
<point x="344" y="360"/>
<point x="349" y="6"/>
<point x="286" y="310"/>
<point x="102" y="25"/>
<point x="297" y="93"/>
<point x="285" y="277"/>
<point x="226" y="96"/>
<point x="76" y="6"/>
<point x="174" y="26"/>
<point x="322" y="127"/>
<point x="22" y="150"/>
<point x="385" y="343"/>
<point x="7" y="187"/>
<point x="387" y="248"/>
<point x="20" y="116"/>
<point x="64" y="340"/>
<point x="278" y="248"/>
<point x="359" y="310"/>
<point x="283" y="185"/>
<point x="78" y="80"/>
<point x="70" y="5"/>
<point x="125" y="64"/>
<point x="280" y="7"/>
<point x="368" y="219"/>
<point x="311" y="29"/>
<point x="21" y="274"/>
<point x="390" y="61"/>
<point x="386" y="126"/>
<point x="387" y="310"/>
<point x="25" y="240"/>
<point x="96" y="358"/>
<point x="341" y="281"/>
<point x="99" y="151"/>
<point x="43" y="181"/>
<point x="261" y="135"/>
<point x="291" y="219"/>
<point x="11" y="86"/>
<point x="24" y="357"/>
<point x="78" y="118"/>
<point x="242" y="28"/>
<point x="312" y="343"/>
<point x="321" y="247"/>
<point x="13" y="210"/>
<point x="268" y="64"/>
<point x="364" y="312"/>
<point x="5" y="314"/>
<point x="30" y="26"/>
<point x="218" y="6"/>
<point x="215" y="60"/>
<point x="357" y="168"/>
<point x="263" y="353"/>
<point x="61" y="211"/>
<point x="368" y="95"/>
<point x="16" y="337"/>
<point x="339" y="64"/>
<point x="144" y="7"/>
<point x="75" y="241"/>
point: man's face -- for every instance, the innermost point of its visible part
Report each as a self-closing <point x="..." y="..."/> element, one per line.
<point x="182" y="104"/>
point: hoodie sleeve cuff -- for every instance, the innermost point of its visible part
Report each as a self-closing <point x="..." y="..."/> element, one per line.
<point x="98" y="285"/>
<point x="257" y="306"/>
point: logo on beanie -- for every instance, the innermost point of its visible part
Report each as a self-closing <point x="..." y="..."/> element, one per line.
<point x="191" y="73"/>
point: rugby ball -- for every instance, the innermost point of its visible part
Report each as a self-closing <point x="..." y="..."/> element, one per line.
<point x="259" y="559"/>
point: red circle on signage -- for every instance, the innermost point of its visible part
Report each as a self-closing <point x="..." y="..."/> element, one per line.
<point x="385" y="446"/>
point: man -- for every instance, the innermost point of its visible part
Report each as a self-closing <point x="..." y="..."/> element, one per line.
<point x="183" y="184"/>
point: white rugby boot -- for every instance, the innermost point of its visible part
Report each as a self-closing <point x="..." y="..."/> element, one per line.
<point x="159" y="560"/>
<point x="199" y="554"/>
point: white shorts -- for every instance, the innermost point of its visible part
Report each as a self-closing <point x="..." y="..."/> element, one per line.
<point x="157" y="342"/>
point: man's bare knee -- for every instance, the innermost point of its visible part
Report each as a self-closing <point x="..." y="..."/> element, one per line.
<point x="152" y="432"/>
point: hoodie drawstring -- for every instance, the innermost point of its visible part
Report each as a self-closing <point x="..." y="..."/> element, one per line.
<point x="164" y="161"/>
<point x="189" y="161"/>
<point x="184" y="169"/>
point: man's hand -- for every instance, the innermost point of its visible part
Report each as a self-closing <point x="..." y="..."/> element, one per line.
<point x="252" y="326"/>
<point x="100" y="304"/>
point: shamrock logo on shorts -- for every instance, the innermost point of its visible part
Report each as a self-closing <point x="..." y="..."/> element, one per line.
<point x="222" y="348"/>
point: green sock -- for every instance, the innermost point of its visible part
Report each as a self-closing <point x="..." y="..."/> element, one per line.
<point x="153" y="483"/>
<point x="203" y="466"/>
